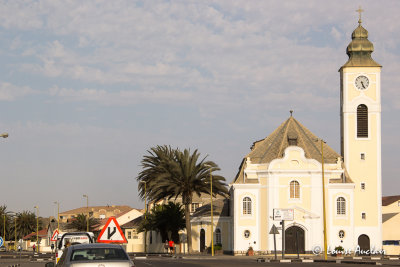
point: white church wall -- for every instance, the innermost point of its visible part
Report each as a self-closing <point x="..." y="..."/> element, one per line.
<point x="246" y="222"/>
<point x="337" y="222"/>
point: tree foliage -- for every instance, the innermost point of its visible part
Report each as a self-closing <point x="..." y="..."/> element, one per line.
<point x="79" y="223"/>
<point x="167" y="219"/>
<point x="26" y="224"/>
<point x="5" y="218"/>
<point x="19" y="224"/>
<point x="170" y="173"/>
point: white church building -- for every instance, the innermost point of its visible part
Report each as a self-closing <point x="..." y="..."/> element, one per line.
<point x="285" y="170"/>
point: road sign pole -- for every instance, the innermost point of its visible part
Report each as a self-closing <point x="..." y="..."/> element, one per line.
<point x="283" y="239"/>
<point x="274" y="231"/>
<point x="276" y="256"/>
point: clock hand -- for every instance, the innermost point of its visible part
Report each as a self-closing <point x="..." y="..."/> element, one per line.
<point x="362" y="84"/>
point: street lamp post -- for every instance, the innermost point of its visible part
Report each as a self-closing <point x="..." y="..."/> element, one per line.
<point x="145" y="214"/>
<point x="37" y="227"/>
<point x="87" y="206"/>
<point x="4" y="228"/>
<point x="323" y="198"/>
<point x="212" y="215"/>
<point x="4" y="135"/>
<point x="15" y="232"/>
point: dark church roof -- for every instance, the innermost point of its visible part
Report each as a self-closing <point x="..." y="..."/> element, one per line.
<point x="291" y="132"/>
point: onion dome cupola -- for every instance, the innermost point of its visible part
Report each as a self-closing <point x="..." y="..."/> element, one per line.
<point x="360" y="48"/>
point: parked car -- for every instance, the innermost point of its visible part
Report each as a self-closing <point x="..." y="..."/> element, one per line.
<point x="72" y="238"/>
<point x="93" y="254"/>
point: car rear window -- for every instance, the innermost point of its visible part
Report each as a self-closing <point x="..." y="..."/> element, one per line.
<point x="103" y="254"/>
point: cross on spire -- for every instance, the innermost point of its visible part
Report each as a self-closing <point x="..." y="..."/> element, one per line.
<point x="359" y="10"/>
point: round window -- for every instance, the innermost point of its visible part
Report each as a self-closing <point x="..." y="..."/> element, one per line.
<point x="341" y="233"/>
<point x="246" y="234"/>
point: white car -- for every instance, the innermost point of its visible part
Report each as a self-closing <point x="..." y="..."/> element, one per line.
<point x="94" y="254"/>
<point x="72" y="238"/>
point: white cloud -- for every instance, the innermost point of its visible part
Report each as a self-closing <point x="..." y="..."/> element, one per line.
<point x="123" y="97"/>
<point x="9" y="92"/>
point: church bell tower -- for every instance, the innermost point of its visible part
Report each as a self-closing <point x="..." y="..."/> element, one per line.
<point x="360" y="111"/>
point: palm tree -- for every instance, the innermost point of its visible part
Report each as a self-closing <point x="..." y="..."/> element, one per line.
<point x="79" y="223"/>
<point x="4" y="214"/>
<point x="166" y="218"/>
<point x="26" y="223"/>
<point x="170" y="173"/>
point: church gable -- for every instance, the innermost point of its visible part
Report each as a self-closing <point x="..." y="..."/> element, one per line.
<point x="290" y="133"/>
<point x="294" y="159"/>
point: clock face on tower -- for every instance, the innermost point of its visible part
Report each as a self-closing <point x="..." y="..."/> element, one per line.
<point x="362" y="82"/>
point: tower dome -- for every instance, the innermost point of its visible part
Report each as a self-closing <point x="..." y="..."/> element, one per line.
<point x="360" y="49"/>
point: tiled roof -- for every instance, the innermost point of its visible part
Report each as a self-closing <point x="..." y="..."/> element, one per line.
<point x="42" y="233"/>
<point x="220" y="208"/>
<point x="273" y="146"/>
<point x="96" y="208"/>
<point x="389" y="200"/>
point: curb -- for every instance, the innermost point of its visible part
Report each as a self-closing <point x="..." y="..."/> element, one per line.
<point x="285" y="260"/>
<point x="140" y="258"/>
<point x="321" y="261"/>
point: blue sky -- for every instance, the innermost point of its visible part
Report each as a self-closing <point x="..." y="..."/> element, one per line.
<point x="86" y="87"/>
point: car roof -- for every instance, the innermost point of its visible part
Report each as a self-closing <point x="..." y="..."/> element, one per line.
<point x="95" y="245"/>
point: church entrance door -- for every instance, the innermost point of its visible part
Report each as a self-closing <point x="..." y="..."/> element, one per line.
<point x="363" y="242"/>
<point x="294" y="237"/>
<point x="202" y="240"/>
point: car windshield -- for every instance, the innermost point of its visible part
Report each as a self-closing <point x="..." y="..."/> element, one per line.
<point x="94" y="254"/>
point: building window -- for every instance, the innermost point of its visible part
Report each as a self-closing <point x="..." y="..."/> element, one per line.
<point x="363" y="216"/>
<point x="247" y="206"/>
<point x="218" y="239"/>
<point x="362" y="156"/>
<point x="362" y="186"/>
<point x="194" y="207"/>
<point x="129" y="235"/>
<point x="341" y="234"/>
<point x="246" y="234"/>
<point x="340" y="206"/>
<point x="134" y="234"/>
<point x="294" y="189"/>
<point x="362" y="121"/>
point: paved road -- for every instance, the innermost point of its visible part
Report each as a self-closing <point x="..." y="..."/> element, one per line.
<point x="168" y="262"/>
<point x="195" y="262"/>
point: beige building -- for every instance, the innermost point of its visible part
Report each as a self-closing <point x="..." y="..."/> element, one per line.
<point x="391" y="224"/>
<point x="98" y="212"/>
<point x="284" y="171"/>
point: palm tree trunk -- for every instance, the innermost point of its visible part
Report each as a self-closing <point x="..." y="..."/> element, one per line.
<point x="188" y="227"/>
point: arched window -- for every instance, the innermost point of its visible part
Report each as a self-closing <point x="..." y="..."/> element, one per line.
<point x="340" y="206"/>
<point x="218" y="239"/>
<point x="362" y="121"/>
<point x="294" y="189"/>
<point x="246" y="205"/>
